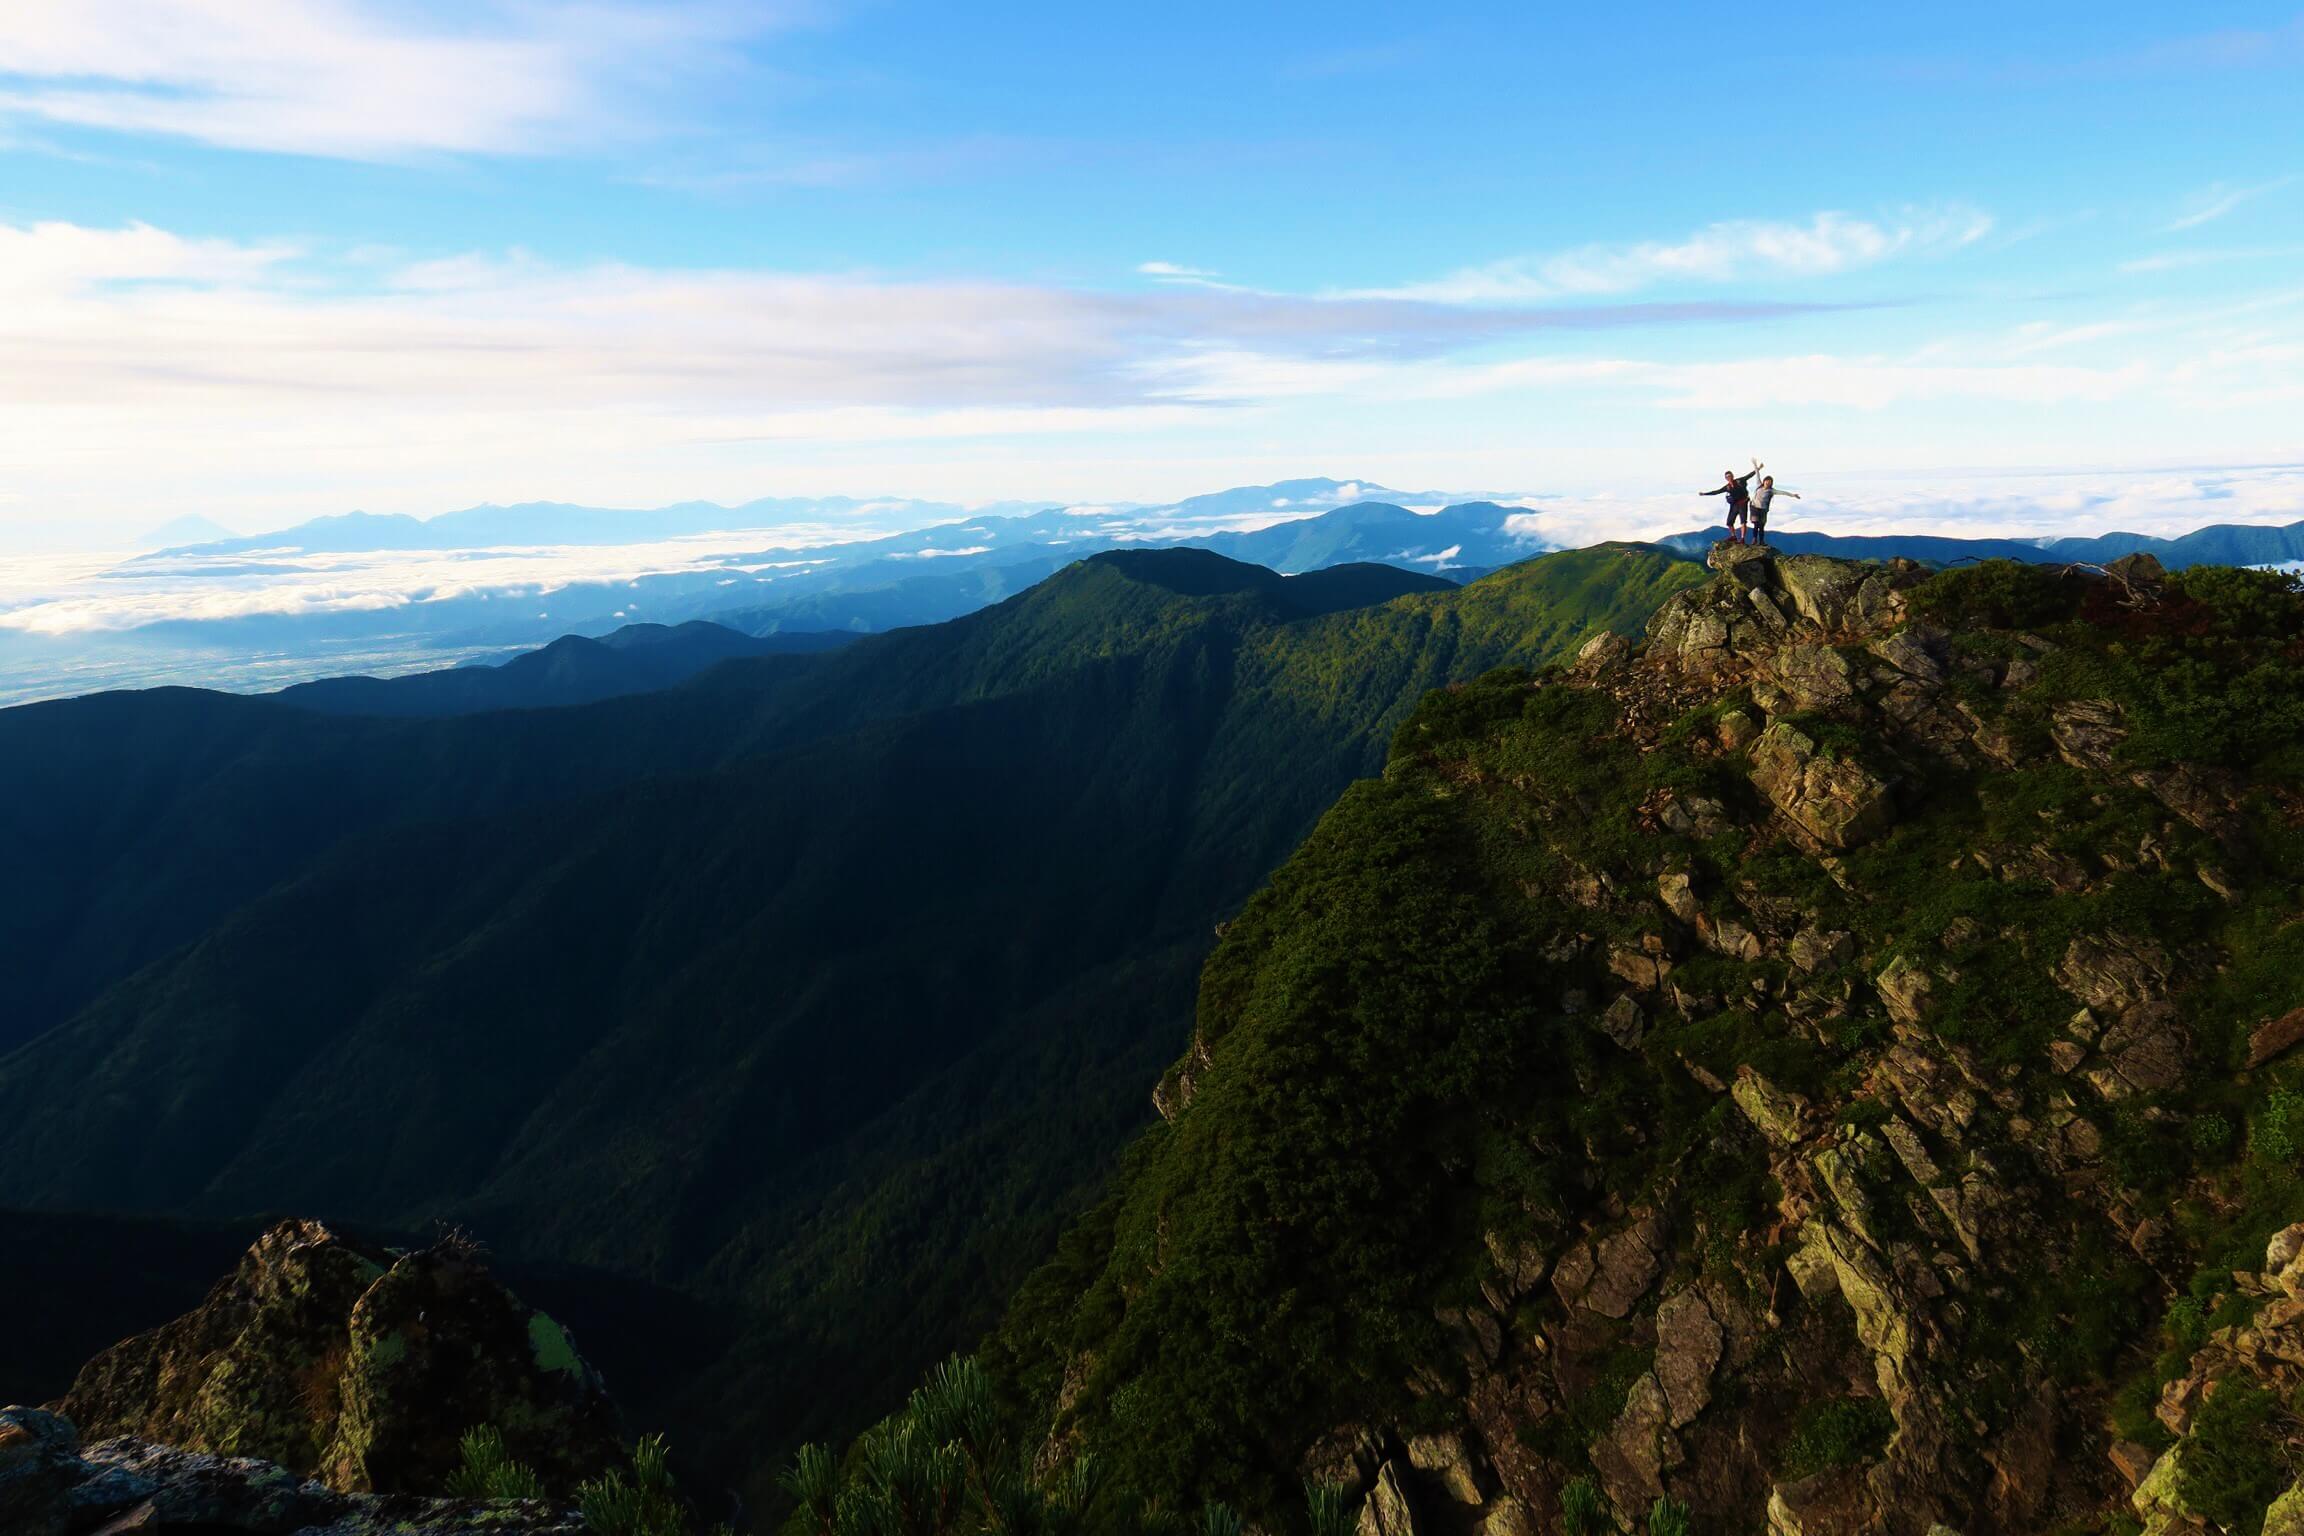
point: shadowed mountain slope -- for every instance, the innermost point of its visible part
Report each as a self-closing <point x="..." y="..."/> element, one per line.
<point x="825" y="984"/>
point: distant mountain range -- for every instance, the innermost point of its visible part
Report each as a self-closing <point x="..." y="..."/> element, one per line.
<point x="571" y="670"/>
<point x="559" y="522"/>
<point x="331" y="597"/>
<point x="2218" y="544"/>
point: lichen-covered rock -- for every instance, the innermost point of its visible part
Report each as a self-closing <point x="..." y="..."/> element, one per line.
<point x="1833" y="800"/>
<point x="1387" y="1511"/>
<point x="357" y="1366"/>
<point x="1776" y="1113"/>
<point x="2275" y="1037"/>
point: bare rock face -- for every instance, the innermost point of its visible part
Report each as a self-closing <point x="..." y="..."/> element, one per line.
<point x="2275" y="1037"/>
<point x="356" y="1366"/>
<point x="1836" y="802"/>
<point x="52" y="1485"/>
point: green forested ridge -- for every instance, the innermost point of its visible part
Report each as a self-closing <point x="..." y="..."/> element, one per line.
<point x="822" y="985"/>
<point x="2013" y="1226"/>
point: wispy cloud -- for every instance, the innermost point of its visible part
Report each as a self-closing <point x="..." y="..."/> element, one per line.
<point x="340" y="78"/>
<point x="2213" y="202"/>
<point x="2173" y="261"/>
<point x="1826" y="245"/>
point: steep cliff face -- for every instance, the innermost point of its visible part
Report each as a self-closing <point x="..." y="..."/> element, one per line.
<point x="355" y="1366"/>
<point x="1828" y="1068"/>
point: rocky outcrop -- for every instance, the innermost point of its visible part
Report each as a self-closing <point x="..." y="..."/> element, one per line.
<point x="51" y="1484"/>
<point x="357" y="1366"/>
<point x="1835" y="801"/>
<point x="1868" y="1078"/>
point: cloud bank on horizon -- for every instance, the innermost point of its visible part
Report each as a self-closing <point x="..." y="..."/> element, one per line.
<point x="266" y="259"/>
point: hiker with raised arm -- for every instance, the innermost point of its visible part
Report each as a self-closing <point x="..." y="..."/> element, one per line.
<point x="1756" y="515"/>
<point x="1737" y="488"/>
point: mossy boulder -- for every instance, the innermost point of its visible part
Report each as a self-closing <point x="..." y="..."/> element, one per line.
<point x="358" y="1366"/>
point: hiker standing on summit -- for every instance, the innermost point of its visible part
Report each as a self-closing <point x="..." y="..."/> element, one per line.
<point x="1737" y="488"/>
<point x="1756" y="516"/>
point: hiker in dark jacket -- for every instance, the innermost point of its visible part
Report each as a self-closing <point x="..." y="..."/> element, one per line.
<point x="1737" y="488"/>
<point x="1756" y="516"/>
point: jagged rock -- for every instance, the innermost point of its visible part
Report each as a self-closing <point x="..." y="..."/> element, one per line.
<point x="1726" y="936"/>
<point x="1444" y="1457"/>
<point x="2157" y="1502"/>
<point x="1813" y="677"/>
<point x="1623" y="1022"/>
<point x="1387" y="1511"/>
<point x="357" y="1366"/>
<point x="1172" y="1095"/>
<point x="1914" y="652"/>
<point x="1827" y="1504"/>
<point x="2285" y="1515"/>
<point x="2145" y="1050"/>
<point x="2284" y="1261"/>
<point x="1609" y="1275"/>
<point x="2275" y="1037"/>
<point x="1905" y="988"/>
<point x="1834" y="801"/>
<point x="1777" y="1113"/>
<point x="1602" y="651"/>
<point x="1632" y="1456"/>
<point x="1813" y="950"/>
<point x="1519" y="1263"/>
<point x="1747" y="563"/>
<point x="1688" y="1345"/>
<point x="1834" y="595"/>
<point x="50" y="1485"/>
<point x="1736" y="730"/>
<point x="2086" y="731"/>
<point x="1695" y="816"/>
<point x="2113" y="973"/>
<point x="2132" y="1461"/>
<point x="1637" y="967"/>
<point x="1507" y="1517"/>
<point x="1674" y="889"/>
<point x="2207" y="800"/>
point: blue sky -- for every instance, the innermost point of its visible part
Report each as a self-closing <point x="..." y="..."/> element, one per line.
<point x="265" y="259"/>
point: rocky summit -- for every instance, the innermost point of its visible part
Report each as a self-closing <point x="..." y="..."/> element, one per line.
<point x="357" y="1367"/>
<point x="1828" y="1068"/>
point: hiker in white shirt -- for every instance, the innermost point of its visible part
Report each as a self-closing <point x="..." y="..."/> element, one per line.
<point x="1762" y="494"/>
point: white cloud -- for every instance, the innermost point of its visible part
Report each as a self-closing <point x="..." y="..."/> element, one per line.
<point x="2214" y="202"/>
<point x="1171" y="269"/>
<point x="1828" y="244"/>
<point x="2171" y="261"/>
<point x="340" y="78"/>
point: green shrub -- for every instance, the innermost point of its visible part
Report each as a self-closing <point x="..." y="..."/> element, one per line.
<point x="2211" y="1134"/>
<point x="1668" y="1517"/>
<point x="489" y="1472"/>
<point x="641" y="1502"/>
<point x="2231" y="1465"/>
<point x="1328" y="1509"/>
<point x="2276" y="1134"/>
<point x="1838" y="1433"/>
<point x="1584" y="1509"/>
